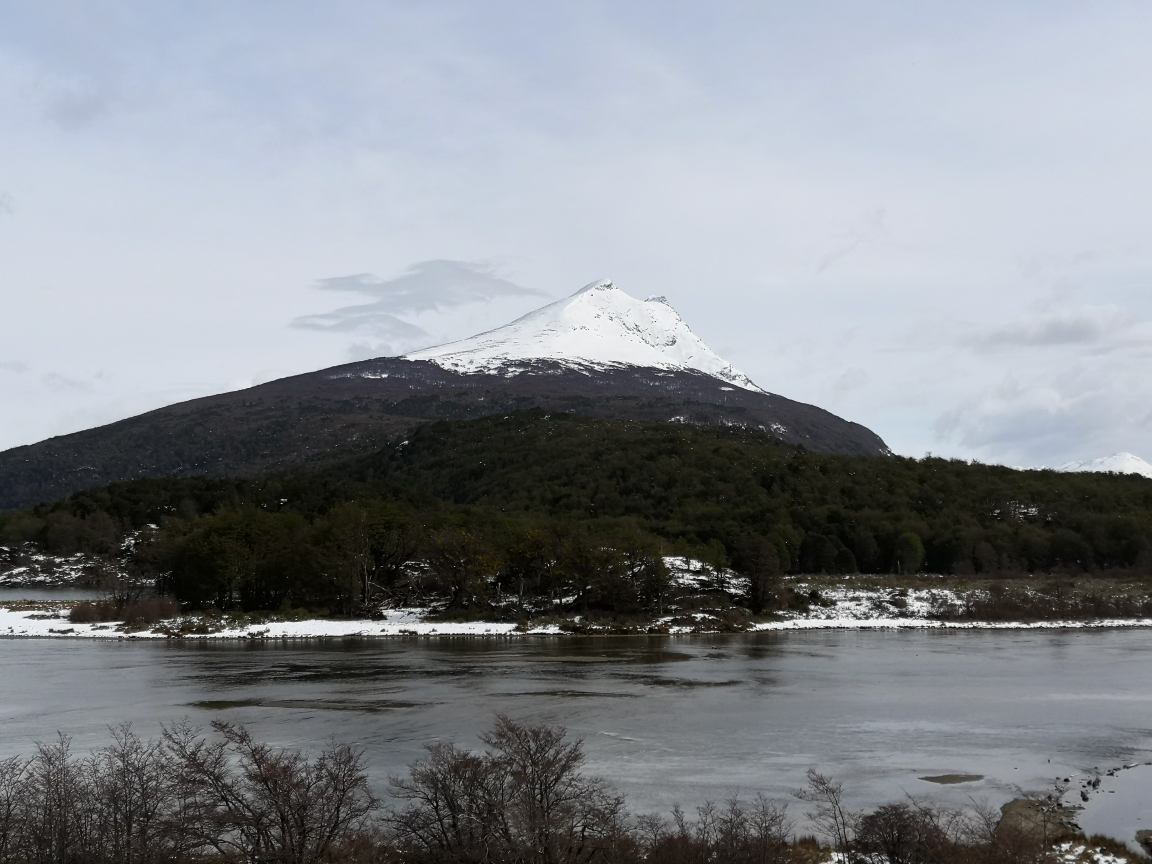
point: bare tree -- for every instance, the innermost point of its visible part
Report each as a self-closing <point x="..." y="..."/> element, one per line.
<point x="278" y="805"/>
<point x="829" y="815"/>
<point x="453" y="797"/>
<point x="768" y="831"/>
<point x="555" y="813"/>
<point x="756" y="558"/>
<point x="904" y="833"/>
<point x="129" y="790"/>
<point x="54" y="812"/>
<point x="523" y="800"/>
<point x="13" y="776"/>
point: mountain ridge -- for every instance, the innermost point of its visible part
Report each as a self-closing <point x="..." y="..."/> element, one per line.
<point x="307" y="421"/>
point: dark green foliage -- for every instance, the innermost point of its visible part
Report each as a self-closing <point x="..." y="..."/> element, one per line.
<point x="832" y="514"/>
<point x="536" y="505"/>
<point x="756" y="557"/>
<point x="908" y="553"/>
<point x="247" y="557"/>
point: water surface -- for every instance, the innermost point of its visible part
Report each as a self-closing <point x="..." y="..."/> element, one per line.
<point x="12" y="593"/>
<point x="664" y="718"/>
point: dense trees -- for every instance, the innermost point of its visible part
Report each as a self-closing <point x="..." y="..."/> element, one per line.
<point x="550" y="506"/>
<point x="825" y="513"/>
<point x="756" y="557"/>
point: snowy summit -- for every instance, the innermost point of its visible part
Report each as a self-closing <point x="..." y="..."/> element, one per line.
<point x="598" y="327"/>
<point x="1119" y="463"/>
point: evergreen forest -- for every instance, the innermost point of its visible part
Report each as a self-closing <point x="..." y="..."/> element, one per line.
<point x="584" y="511"/>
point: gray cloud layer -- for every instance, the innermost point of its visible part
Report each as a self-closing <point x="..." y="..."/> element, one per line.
<point x="931" y="219"/>
<point x="429" y="286"/>
<point x="1090" y="325"/>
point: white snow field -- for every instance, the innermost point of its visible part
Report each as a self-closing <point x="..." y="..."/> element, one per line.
<point x="598" y="327"/>
<point x="1118" y="463"/>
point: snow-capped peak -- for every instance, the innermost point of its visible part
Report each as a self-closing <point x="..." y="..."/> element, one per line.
<point x="598" y="327"/>
<point x="1118" y="463"/>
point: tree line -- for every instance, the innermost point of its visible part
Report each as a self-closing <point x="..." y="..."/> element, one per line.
<point x="547" y="506"/>
<point x="362" y="554"/>
<point x="524" y="799"/>
<point x="831" y="514"/>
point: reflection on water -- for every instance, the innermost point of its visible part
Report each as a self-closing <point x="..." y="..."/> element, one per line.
<point x="665" y="718"/>
<point x="13" y="594"/>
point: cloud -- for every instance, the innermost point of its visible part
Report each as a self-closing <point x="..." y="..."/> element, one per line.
<point x="430" y="286"/>
<point x="76" y="102"/>
<point x="850" y="379"/>
<point x="368" y="351"/>
<point x="367" y="317"/>
<point x="1086" y="412"/>
<point x="870" y="231"/>
<point x="6" y="205"/>
<point x="1086" y="326"/>
<point x="1016" y="418"/>
<point x="13" y="366"/>
<point x="62" y="382"/>
<point x="721" y="158"/>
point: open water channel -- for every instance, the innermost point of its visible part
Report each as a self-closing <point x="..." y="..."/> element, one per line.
<point x="665" y="719"/>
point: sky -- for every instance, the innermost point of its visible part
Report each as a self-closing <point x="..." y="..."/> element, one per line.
<point x="934" y="219"/>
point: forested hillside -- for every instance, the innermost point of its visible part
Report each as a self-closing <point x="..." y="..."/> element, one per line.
<point x="827" y="513"/>
<point x="307" y="422"/>
<point x="550" y="504"/>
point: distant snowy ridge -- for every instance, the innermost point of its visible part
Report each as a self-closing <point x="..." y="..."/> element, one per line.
<point x="598" y="327"/>
<point x="1119" y="463"/>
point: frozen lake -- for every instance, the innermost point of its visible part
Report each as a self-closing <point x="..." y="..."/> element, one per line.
<point x="665" y="719"/>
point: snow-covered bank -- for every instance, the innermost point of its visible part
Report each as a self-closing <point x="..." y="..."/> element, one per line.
<point x="927" y="624"/>
<point x="50" y="620"/>
<point x="869" y="607"/>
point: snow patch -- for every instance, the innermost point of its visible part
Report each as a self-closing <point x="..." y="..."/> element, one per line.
<point x="598" y="327"/>
<point x="698" y="576"/>
<point x="1118" y="463"/>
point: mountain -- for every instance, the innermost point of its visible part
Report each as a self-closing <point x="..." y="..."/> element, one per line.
<point x="1118" y="463"/>
<point x="598" y="353"/>
<point x="599" y="327"/>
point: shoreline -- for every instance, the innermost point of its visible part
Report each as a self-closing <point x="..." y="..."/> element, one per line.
<point x="42" y="623"/>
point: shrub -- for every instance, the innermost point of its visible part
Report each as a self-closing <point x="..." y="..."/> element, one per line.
<point x="150" y="610"/>
<point x="90" y="612"/>
<point x="143" y="612"/>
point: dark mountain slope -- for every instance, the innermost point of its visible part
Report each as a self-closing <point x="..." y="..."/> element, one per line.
<point x="307" y="421"/>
